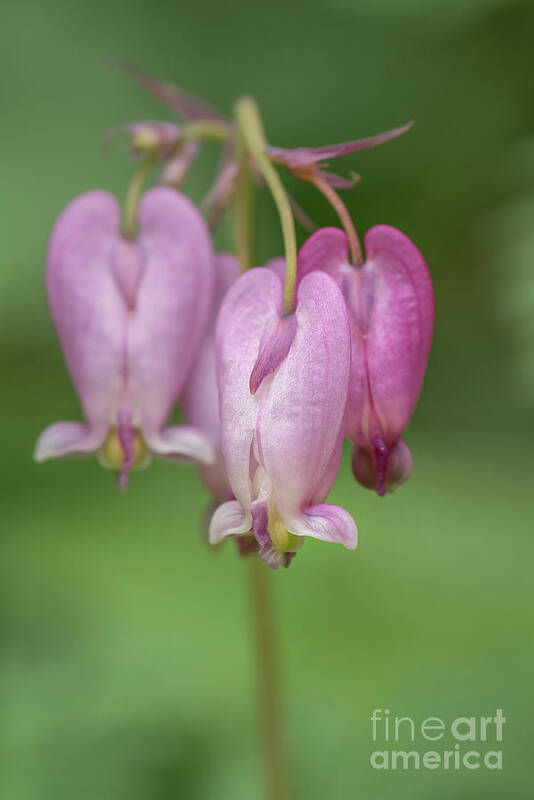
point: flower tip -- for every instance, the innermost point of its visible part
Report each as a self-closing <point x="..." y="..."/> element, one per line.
<point x="382" y="468"/>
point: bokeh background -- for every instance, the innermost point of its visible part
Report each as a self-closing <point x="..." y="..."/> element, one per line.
<point x="126" y="661"/>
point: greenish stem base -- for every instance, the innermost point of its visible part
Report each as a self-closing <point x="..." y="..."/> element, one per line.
<point x="267" y="672"/>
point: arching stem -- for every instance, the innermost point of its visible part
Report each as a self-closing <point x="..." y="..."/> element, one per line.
<point x="251" y="129"/>
<point x="129" y="223"/>
<point x="341" y="210"/>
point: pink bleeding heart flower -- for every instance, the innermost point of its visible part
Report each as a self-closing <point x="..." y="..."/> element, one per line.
<point x="200" y="398"/>
<point x="391" y="309"/>
<point x="130" y="315"/>
<point x="283" y="386"/>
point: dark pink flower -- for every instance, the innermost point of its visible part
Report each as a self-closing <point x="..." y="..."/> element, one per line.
<point x="130" y="315"/>
<point x="283" y="387"/>
<point x="391" y="310"/>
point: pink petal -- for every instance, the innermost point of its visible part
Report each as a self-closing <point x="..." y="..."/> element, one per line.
<point x="327" y="523"/>
<point x="274" y="347"/>
<point x="254" y="300"/>
<point x="392" y="304"/>
<point x="327" y="250"/>
<point x="200" y="398"/>
<point x="278" y="265"/>
<point x="229" y="519"/>
<point x="302" y="408"/>
<point x="86" y="303"/>
<point x="172" y="305"/>
<point x="182" y="442"/>
<point x="66" y="439"/>
<point x="127" y="266"/>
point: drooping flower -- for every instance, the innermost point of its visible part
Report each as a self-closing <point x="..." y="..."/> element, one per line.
<point x="391" y="309"/>
<point x="200" y="398"/>
<point x="283" y="387"/>
<point x="129" y="314"/>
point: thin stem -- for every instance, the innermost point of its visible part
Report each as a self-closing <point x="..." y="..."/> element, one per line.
<point x="252" y="131"/>
<point x="129" y="224"/>
<point x="268" y="680"/>
<point x="341" y="210"/>
<point x="244" y="216"/>
<point x="216" y="131"/>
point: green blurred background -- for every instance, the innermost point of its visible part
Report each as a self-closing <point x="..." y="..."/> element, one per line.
<point x="127" y="669"/>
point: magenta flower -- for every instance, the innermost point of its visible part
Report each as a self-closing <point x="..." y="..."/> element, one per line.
<point x="200" y="398"/>
<point x="130" y="315"/>
<point x="283" y="387"/>
<point x="391" y="310"/>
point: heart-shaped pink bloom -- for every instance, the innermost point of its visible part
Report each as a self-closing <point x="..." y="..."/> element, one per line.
<point x="282" y="431"/>
<point x="391" y="309"/>
<point x="200" y="398"/>
<point x="130" y="316"/>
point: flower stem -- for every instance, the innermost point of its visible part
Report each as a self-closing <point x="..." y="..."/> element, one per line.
<point x="244" y="209"/>
<point x="129" y="222"/>
<point x="205" y="129"/>
<point x="268" y="680"/>
<point x="251" y="129"/>
<point x="341" y="210"/>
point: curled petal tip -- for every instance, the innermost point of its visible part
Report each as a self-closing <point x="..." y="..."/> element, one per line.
<point x="182" y="442"/>
<point x="380" y="468"/>
<point x="67" y="439"/>
<point x="273" y="349"/>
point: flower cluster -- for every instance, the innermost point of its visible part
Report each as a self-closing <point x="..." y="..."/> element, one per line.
<point x="274" y="366"/>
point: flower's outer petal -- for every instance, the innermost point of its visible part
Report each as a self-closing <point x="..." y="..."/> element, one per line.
<point x="86" y="303"/>
<point x="302" y="410"/>
<point x="200" y="398"/>
<point x="392" y="303"/>
<point x="302" y="156"/>
<point x="67" y="439"/>
<point x="327" y="250"/>
<point x="326" y="522"/>
<point x="229" y="519"/>
<point x="226" y="273"/>
<point x="274" y="347"/>
<point x="182" y="442"/>
<point x="278" y="265"/>
<point x="253" y="301"/>
<point x="331" y="470"/>
<point x="172" y="307"/>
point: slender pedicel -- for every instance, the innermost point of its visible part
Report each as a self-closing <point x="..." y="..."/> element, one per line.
<point x="341" y="210"/>
<point x="251" y="128"/>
